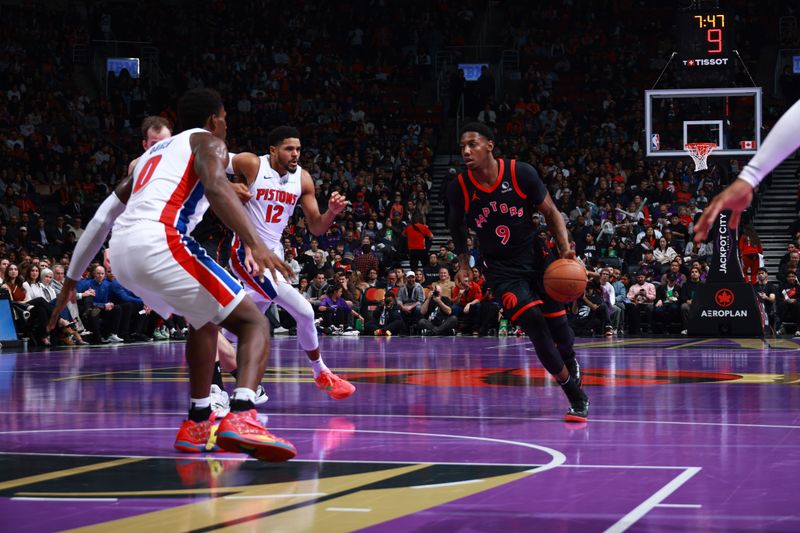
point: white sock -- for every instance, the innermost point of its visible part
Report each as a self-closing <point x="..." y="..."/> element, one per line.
<point x="244" y="394"/>
<point x="201" y="403"/>
<point x="318" y="367"/>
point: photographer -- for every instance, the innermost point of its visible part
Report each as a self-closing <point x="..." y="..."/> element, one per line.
<point x="438" y="313"/>
<point x="591" y="313"/>
<point x="386" y="319"/>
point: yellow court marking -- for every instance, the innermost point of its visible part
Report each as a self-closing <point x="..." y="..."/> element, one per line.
<point x="255" y="500"/>
<point x="778" y="379"/>
<point x="690" y="343"/>
<point x="760" y="344"/>
<point x="374" y="506"/>
<point x="30" y="480"/>
<point x="121" y="373"/>
<point x="616" y="343"/>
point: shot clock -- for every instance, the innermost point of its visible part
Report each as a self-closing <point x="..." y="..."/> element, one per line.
<point x="705" y="40"/>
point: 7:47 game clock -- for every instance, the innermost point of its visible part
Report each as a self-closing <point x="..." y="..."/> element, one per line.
<point x="705" y="39"/>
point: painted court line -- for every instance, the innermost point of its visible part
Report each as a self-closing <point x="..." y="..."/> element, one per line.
<point x="348" y="510"/>
<point x="273" y="496"/>
<point x="389" y="415"/>
<point x="348" y="461"/>
<point x="556" y="457"/>
<point x="653" y="501"/>
<point x="53" y="500"/>
<point x="453" y="484"/>
<point x="680" y="505"/>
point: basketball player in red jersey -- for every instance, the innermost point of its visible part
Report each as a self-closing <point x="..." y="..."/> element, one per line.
<point x="498" y="198"/>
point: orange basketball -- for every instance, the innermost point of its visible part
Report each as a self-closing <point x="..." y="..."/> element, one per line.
<point x="565" y="280"/>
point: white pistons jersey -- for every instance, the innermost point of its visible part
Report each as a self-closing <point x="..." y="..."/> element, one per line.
<point x="166" y="187"/>
<point x="272" y="204"/>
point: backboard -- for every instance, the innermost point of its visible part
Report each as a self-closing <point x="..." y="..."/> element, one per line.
<point x="729" y="117"/>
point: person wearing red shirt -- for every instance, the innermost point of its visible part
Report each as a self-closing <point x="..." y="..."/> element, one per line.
<point x="467" y="297"/>
<point x="416" y="233"/>
<point x="750" y="248"/>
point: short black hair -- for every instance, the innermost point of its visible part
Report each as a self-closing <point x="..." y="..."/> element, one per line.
<point x="764" y="270"/>
<point x="279" y="134"/>
<point x="479" y="128"/>
<point x="195" y="106"/>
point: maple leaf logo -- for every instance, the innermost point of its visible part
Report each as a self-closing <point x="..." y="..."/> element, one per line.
<point x="724" y="297"/>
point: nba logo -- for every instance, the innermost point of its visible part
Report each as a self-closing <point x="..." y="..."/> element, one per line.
<point x="655" y="142"/>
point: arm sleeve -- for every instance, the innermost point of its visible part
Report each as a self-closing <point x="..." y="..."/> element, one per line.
<point x="530" y="183"/>
<point x="455" y="219"/>
<point x="779" y="144"/>
<point x="94" y="235"/>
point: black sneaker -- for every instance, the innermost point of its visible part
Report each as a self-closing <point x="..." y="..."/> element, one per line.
<point x="578" y="402"/>
<point x="574" y="371"/>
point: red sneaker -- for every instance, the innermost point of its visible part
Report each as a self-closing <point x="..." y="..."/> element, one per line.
<point x="196" y="437"/>
<point x="241" y="432"/>
<point x="338" y="388"/>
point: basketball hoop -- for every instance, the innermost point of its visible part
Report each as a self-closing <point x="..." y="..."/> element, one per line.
<point x="699" y="154"/>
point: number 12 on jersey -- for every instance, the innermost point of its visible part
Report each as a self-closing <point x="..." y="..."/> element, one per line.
<point x="504" y="233"/>
<point x="274" y="213"/>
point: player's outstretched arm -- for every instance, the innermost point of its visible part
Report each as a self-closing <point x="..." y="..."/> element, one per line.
<point x="244" y="168"/>
<point x="317" y="222"/>
<point x="210" y="160"/>
<point x="779" y="144"/>
<point x="90" y="243"/>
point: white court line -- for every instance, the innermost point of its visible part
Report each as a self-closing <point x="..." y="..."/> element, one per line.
<point x="348" y="510"/>
<point x="348" y="461"/>
<point x="426" y="417"/>
<point x="42" y="499"/>
<point x="646" y="506"/>
<point x="453" y="484"/>
<point x="273" y="496"/>
<point x="680" y="505"/>
<point x="556" y="457"/>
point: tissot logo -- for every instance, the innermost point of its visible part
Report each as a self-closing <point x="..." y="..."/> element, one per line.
<point x="724" y="297"/>
<point x="705" y="62"/>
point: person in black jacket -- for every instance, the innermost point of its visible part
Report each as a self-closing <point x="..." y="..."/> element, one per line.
<point x="688" y="290"/>
<point x="386" y="319"/>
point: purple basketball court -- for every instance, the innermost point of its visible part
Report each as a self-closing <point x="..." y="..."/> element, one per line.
<point x="443" y="434"/>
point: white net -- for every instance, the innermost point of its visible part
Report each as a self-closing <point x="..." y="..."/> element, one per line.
<point x="699" y="154"/>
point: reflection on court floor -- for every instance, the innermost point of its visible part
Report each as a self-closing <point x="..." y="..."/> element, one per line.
<point x="445" y="433"/>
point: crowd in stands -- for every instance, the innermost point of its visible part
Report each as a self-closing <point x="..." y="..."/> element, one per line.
<point x="347" y="77"/>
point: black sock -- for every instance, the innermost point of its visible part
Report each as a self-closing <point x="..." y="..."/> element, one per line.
<point x="235" y="373"/>
<point x="199" y="415"/>
<point x="241" y="405"/>
<point x="217" y="380"/>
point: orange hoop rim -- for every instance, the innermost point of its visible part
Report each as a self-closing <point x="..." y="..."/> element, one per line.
<point x="700" y="148"/>
<point x="699" y="153"/>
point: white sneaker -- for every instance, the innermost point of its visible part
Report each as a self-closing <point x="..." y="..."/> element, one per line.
<point x="685" y="332"/>
<point x="261" y="396"/>
<point x="280" y="330"/>
<point x="114" y="338"/>
<point x="353" y="333"/>
<point x="220" y="403"/>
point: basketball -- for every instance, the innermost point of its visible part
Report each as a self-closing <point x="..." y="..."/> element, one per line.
<point x="565" y="280"/>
